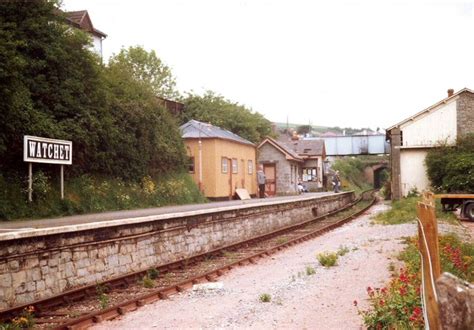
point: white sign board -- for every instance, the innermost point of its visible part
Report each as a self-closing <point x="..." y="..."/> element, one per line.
<point x="44" y="150"/>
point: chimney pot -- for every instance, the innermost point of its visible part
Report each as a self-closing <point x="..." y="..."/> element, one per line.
<point x="450" y="92"/>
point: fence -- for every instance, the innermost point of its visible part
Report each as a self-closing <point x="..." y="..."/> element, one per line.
<point x="430" y="263"/>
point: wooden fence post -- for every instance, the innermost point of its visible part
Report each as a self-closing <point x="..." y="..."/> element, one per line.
<point x="429" y="249"/>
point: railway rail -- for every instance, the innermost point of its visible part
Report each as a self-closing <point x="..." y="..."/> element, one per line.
<point x="82" y="307"/>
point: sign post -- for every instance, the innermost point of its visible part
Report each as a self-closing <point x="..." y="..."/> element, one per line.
<point x="49" y="151"/>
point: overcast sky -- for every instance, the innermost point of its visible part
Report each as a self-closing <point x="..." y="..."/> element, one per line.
<point x="331" y="63"/>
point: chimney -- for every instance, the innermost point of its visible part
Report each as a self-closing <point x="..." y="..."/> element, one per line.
<point x="450" y="92"/>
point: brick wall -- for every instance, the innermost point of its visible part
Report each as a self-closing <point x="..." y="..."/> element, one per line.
<point x="465" y="113"/>
<point x="39" y="266"/>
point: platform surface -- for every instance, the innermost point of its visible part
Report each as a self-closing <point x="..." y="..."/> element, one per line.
<point x="27" y="225"/>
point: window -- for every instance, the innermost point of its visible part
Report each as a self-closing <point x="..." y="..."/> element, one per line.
<point x="310" y="174"/>
<point x="224" y="165"/>
<point x="191" y="164"/>
<point x="235" y="166"/>
<point x="250" y="166"/>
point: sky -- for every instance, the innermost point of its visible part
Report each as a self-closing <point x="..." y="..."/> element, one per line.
<point x="325" y="63"/>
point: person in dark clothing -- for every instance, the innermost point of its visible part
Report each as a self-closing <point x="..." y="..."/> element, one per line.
<point x="336" y="181"/>
<point x="261" y="179"/>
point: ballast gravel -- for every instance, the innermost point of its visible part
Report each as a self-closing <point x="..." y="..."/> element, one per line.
<point x="324" y="300"/>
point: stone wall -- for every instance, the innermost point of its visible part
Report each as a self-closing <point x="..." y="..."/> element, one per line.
<point x="270" y="155"/>
<point x="465" y="114"/>
<point x="41" y="263"/>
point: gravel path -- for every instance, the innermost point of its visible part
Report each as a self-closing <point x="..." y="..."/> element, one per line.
<point x="298" y="301"/>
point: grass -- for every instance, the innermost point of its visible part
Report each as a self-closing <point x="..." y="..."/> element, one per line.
<point x="281" y="240"/>
<point x="265" y="297"/>
<point x="404" y="211"/>
<point x="90" y="194"/>
<point x="327" y="259"/>
<point x="343" y="250"/>
<point x="310" y="270"/>
<point x="148" y="282"/>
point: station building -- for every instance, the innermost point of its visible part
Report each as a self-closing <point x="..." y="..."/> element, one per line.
<point x="412" y="138"/>
<point x="219" y="161"/>
<point x="286" y="163"/>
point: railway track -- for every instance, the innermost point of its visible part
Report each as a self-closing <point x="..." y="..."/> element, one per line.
<point x="82" y="307"/>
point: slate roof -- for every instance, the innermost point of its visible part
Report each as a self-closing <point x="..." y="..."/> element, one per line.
<point x="282" y="147"/>
<point x="306" y="148"/>
<point x="194" y="129"/>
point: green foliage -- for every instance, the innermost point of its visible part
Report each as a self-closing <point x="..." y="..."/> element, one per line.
<point x="310" y="270"/>
<point x="153" y="273"/>
<point x="102" y="296"/>
<point x="343" y="250"/>
<point x="352" y="171"/>
<point x="218" y="111"/>
<point x="86" y="194"/>
<point x="265" y="297"/>
<point x="398" y="306"/>
<point x="451" y="168"/>
<point x="303" y="129"/>
<point x="148" y="282"/>
<point x="147" y="68"/>
<point x="327" y="259"/>
<point x="404" y="210"/>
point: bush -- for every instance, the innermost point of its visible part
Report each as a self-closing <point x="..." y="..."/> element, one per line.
<point x="265" y="297"/>
<point x="451" y="168"/>
<point x="327" y="259"/>
<point x="87" y="194"/>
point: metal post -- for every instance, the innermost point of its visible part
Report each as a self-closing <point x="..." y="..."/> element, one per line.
<point x="30" y="182"/>
<point x="62" y="181"/>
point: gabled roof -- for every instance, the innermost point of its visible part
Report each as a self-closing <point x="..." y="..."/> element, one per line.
<point x="194" y="129"/>
<point x="289" y="154"/>
<point x="434" y="106"/>
<point x="307" y="148"/>
<point x="82" y="20"/>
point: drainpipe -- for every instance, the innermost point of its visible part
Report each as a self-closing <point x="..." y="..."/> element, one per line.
<point x="200" y="159"/>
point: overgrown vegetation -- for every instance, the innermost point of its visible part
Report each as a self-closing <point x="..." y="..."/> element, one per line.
<point x="352" y="171"/>
<point x="86" y="194"/>
<point x="451" y="168"/>
<point x="327" y="259"/>
<point x="398" y="305"/>
<point x="310" y="271"/>
<point x="265" y="297"/>
<point x="215" y="109"/>
<point x="404" y="210"/>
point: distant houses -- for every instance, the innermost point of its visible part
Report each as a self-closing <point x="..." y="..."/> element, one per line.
<point x="81" y="20"/>
<point x="219" y="161"/>
<point x="412" y="138"/>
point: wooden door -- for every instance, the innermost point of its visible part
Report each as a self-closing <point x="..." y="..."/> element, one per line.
<point x="270" y="183"/>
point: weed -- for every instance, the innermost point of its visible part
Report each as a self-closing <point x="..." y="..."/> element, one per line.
<point x="327" y="259"/>
<point x="281" y="240"/>
<point x="342" y="250"/>
<point x="228" y="254"/>
<point x="148" y="282"/>
<point x="391" y="267"/>
<point x="153" y="273"/>
<point x="355" y="248"/>
<point x="310" y="270"/>
<point x="265" y="297"/>
<point x="102" y="296"/>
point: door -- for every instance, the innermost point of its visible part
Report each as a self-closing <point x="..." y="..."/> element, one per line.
<point x="270" y="183"/>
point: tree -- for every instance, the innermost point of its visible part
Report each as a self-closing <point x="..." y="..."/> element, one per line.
<point x="146" y="67"/>
<point x="49" y="82"/>
<point x="217" y="110"/>
<point x="304" y="129"/>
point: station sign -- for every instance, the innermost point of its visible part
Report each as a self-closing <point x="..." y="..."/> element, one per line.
<point x="43" y="150"/>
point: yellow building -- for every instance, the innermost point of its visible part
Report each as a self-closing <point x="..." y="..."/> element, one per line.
<point x="219" y="161"/>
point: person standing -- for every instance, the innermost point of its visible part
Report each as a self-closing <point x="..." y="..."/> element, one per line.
<point x="261" y="179"/>
<point x="336" y="181"/>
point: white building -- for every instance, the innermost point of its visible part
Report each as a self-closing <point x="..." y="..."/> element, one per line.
<point x="81" y="19"/>
<point x="412" y="138"/>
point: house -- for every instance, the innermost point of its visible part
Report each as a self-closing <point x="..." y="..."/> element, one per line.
<point x="219" y="161"/>
<point x="412" y="138"/>
<point x="286" y="163"/>
<point x="81" y="20"/>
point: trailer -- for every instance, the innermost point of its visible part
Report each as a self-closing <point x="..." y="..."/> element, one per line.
<point x="451" y="202"/>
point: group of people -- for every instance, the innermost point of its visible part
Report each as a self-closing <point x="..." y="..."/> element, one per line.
<point x="261" y="180"/>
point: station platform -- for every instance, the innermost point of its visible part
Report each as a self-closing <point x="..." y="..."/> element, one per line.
<point x="100" y="219"/>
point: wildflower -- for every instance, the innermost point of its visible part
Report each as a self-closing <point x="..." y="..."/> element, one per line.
<point x="383" y="290"/>
<point x="382" y="302"/>
<point x="355" y="303"/>
<point x="402" y="290"/>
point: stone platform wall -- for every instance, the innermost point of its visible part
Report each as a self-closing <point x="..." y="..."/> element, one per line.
<point x="38" y="264"/>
